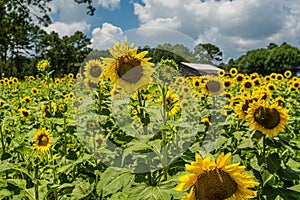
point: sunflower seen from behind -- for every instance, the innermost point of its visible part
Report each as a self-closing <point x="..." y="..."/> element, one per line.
<point x="128" y="68"/>
<point x="210" y="180"/>
<point x="42" y="140"/>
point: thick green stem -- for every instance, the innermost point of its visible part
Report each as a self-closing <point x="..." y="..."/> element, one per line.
<point x="164" y="134"/>
<point x="36" y="182"/>
<point x="65" y="137"/>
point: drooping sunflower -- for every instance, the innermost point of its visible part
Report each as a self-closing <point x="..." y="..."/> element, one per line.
<point x="210" y="180"/>
<point x="42" y="140"/>
<point x="212" y="85"/>
<point x="93" y="70"/>
<point x="268" y="119"/>
<point x="128" y="69"/>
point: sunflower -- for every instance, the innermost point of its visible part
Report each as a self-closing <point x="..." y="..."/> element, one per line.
<point x="210" y="180"/>
<point x="70" y="75"/>
<point x="128" y="68"/>
<point x="26" y="99"/>
<point x="24" y="113"/>
<point x="279" y="77"/>
<point x="34" y="91"/>
<point x="90" y="85"/>
<point x="227" y="83"/>
<point x="233" y="71"/>
<point x="93" y="70"/>
<point x="42" y="139"/>
<point x="271" y="87"/>
<point x="288" y="74"/>
<point x="269" y="119"/>
<point x="212" y="86"/>
<point x="205" y="121"/>
<point x="221" y="72"/>
<point x="239" y="78"/>
<point x="247" y="84"/>
<point x="42" y="65"/>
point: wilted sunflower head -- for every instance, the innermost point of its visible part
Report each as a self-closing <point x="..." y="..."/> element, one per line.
<point x="210" y="180"/>
<point x="128" y="69"/>
<point x="42" y="140"/>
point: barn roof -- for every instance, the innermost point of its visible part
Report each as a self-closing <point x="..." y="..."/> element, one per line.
<point x="202" y="68"/>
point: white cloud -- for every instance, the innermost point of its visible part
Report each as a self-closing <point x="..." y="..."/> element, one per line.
<point x="105" y="37"/>
<point x="68" y="11"/>
<point x="68" y="29"/>
<point x="110" y="4"/>
<point x="234" y="26"/>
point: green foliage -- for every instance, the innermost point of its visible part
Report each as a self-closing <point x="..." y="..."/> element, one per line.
<point x="275" y="58"/>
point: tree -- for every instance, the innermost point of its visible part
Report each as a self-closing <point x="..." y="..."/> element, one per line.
<point x="208" y="53"/>
<point x="282" y="58"/>
<point x="65" y="54"/>
<point x="276" y="59"/>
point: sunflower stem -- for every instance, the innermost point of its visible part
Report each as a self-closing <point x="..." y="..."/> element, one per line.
<point x="164" y="134"/>
<point x="65" y="138"/>
<point x="36" y="182"/>
<point x="264" y="147"/>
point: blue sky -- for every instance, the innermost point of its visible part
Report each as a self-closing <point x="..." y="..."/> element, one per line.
<point x="234" y="26"/>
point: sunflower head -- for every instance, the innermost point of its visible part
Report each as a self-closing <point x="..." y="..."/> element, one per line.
<point x="42" y="140"/>
<point x="24" y="113"/>
<point x="288" y="74"/>
<point x="269" y="119"/>
<point x="34" y="91"/>
<point x="93" y="70"/>
<point x="43" y="65"/>
<point x="212" y="86"/>
<point x="233" y="71"/>
<point x="128" y="69"/>
<point x="210" y="180"/>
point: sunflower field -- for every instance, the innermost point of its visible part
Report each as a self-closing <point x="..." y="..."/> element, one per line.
<point x="125" y="128"/>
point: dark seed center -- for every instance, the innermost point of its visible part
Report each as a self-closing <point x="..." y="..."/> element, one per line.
<point x="214" y="185"/>
<point x="268" y="118"/>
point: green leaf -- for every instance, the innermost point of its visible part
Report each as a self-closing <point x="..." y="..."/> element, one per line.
<point x="295" y="188"/>
<point x="81" y="190"/>
<point x="114" y="180"/>
<point x="245" y="144"/>
<point x="143" y="192"/>
<point x="273" y="163"/>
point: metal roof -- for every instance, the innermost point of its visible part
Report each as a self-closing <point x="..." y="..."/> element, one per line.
<point x="201" y="67"/>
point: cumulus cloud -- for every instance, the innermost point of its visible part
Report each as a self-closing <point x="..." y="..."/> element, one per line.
<point x="110" y="4"/>
<point x="64" y="29"/>
<point x="106" y="36"/>
<point x="234" y="26"/>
